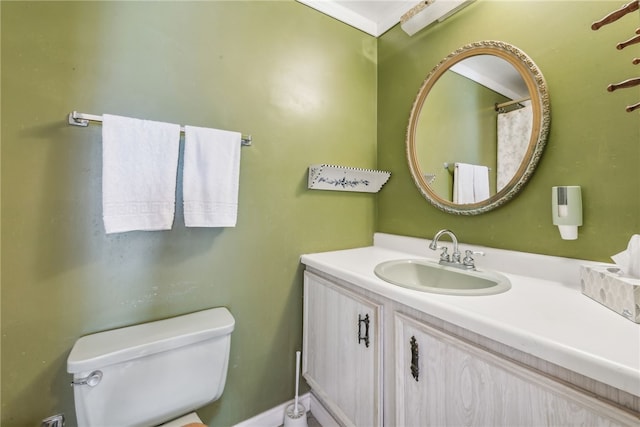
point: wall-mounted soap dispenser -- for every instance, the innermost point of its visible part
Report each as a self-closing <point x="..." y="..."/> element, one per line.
<point x="566" y="209"/>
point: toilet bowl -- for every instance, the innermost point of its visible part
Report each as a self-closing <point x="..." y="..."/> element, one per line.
<point x="149" y="374"/>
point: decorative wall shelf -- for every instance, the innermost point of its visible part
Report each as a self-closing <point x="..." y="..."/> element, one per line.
<point x="342" y="178"/>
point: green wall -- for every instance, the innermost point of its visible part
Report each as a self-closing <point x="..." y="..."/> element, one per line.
<point x="301" y="83"/>
<point x="304" y="85"/>
<point x="593" y="142"/>
<point x="455" y="100"/>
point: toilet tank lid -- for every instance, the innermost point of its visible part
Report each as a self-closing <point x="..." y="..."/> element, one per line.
<point x="106" y="348"/>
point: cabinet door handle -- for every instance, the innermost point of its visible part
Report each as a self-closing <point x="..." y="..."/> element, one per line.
<point x="363" y="320"/>
<point x="415" y="370"/>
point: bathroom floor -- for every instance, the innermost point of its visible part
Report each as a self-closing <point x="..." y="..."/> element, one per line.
<point x="312" y="422"/>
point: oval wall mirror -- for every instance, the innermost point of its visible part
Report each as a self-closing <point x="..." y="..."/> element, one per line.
<point x="478" y="128"/>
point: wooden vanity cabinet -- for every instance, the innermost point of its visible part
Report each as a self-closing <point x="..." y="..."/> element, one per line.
<point x="433" y="375"/>
<point x="444" y="381"/>
<point x="342" y="344"/>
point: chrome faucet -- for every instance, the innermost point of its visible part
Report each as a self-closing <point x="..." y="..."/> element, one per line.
<point x="453" y="260"/>
<point x="445" y="259"/>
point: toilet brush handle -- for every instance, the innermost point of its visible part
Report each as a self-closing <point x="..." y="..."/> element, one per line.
<point x="295" y="406"/>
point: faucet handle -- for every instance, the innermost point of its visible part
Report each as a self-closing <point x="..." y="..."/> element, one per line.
<point x="468" y="258"/>
<point x="455" y="257"/>
<point x="444" y="256"/>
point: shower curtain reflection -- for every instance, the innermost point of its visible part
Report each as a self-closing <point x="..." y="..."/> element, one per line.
<point x="514" y="132"/>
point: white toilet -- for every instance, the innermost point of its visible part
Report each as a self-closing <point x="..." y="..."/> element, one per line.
<point x="148" y="374"/>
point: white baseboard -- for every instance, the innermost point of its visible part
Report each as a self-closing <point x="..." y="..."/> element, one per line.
<point x="321" y="414"/>
<point x="274" y="417"/>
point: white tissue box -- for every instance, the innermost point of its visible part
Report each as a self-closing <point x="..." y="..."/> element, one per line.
<point x="611" y="289"/>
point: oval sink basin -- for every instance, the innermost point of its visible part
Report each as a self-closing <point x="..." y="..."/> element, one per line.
<point x="429" y="276"/>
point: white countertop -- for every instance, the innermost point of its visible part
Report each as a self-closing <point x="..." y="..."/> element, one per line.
<point x="550" y="319"/>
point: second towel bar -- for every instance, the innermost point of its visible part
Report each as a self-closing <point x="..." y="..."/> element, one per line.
<point x="448" y="165"/>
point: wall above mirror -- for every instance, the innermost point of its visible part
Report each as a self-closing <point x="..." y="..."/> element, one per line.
<point x="478" y="127"/>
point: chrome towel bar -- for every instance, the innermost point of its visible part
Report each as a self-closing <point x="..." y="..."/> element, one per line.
<point x="83" y="119"/>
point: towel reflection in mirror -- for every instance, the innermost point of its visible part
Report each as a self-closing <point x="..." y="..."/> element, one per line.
<point x="470" y="183"/>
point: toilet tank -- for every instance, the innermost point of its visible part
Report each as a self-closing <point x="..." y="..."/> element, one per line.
<point x="146" y="374"/>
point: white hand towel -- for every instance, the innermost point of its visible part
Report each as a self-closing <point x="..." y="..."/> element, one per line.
<point x="211" y="177"/>
<point x="463" y="183"/>
<point x="480" y="183"/>
<point x="139" y="168"/>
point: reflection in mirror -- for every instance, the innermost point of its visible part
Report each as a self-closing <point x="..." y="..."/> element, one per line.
<point x="495" y="138"/>
<point x="478" y="127"/>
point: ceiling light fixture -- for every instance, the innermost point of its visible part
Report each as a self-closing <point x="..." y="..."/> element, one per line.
<point x="427" y="12"/>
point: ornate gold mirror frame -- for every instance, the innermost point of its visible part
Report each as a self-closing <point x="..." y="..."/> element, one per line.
<point x="537" y="89"/>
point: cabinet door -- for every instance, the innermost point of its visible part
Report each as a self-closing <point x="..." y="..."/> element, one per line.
<point x="443" y="381"/>
<point x="341" y="351"/>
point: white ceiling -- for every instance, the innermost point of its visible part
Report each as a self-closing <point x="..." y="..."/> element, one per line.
<point x="495" y="73"/>
<point x="377" y="16"/>
<point x="371" y="16"/>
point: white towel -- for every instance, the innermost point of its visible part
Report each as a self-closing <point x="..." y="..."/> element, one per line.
<point x="211" y="177"/>
<point x="463" y="184"/>
<point x="139" y="168"/>
<point x="480" y="183"/>
<point x="470" y="183"/>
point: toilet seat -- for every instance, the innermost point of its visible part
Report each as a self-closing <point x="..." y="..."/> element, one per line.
<point x="189" y="420"/>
